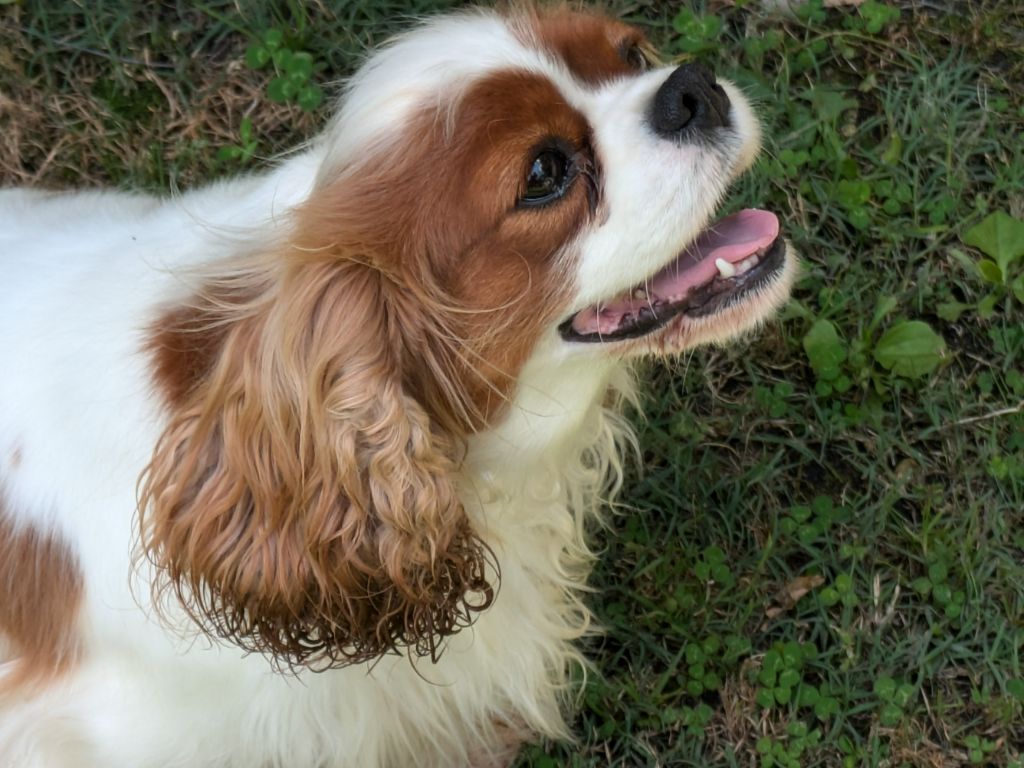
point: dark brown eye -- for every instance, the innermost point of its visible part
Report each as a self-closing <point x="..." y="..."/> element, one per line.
<point x="634" y="56"/>
<point x="547" y="179"/>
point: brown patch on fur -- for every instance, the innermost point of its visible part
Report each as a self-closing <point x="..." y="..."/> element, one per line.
<point x="40" y="595"/>
<point x="595" y="48"/>
<point x="301" y="501"/>
<point x="183" y="346"/>
<point x="441" y="218"/>
<point x="185" y="340"/>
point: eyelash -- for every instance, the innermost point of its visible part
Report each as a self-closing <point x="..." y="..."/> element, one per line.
<point x="634" y="57"/>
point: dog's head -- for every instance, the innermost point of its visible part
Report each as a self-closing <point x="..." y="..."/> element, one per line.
<point x="559" y="188"/>
<point x="496" y="192"/>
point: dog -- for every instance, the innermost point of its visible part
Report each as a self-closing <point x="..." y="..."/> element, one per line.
<point x="296" y="468"/>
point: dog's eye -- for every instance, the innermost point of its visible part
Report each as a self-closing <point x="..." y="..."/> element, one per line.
<point x="635" y="57"/>
<point x="547" y="179"/>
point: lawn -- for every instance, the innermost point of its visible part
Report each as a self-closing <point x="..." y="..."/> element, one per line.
<point x="821" y="560"/>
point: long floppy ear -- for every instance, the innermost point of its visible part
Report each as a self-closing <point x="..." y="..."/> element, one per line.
<point x="301" y="501"/>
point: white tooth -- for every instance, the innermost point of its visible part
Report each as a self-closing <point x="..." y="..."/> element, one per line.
<point x="640" y="293"/>
<point x="725" y="269"/>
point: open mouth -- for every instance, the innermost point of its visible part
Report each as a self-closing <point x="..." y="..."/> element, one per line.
<point x="732" y="257"/>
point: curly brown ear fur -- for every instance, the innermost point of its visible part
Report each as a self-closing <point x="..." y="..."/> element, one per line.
<point x="300" y="502"/>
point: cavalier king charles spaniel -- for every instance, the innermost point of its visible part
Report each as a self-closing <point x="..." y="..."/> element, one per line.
<point x="296" y="469"/>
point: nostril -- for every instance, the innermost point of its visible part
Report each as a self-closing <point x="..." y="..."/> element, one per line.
<point x="690" y="104"/>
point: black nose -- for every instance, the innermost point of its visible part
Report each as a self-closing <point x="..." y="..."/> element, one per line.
<point x="689" y="102"/>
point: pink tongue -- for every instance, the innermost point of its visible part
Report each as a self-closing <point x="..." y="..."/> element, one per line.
<point x="733" y="239"/>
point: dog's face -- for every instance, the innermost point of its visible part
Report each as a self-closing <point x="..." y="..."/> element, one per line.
<point x="558" y="185"/>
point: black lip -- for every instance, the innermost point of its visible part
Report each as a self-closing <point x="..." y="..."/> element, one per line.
<point x="700" y="302"/>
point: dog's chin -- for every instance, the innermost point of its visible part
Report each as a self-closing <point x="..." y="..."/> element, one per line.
<point x="729" y="279"/>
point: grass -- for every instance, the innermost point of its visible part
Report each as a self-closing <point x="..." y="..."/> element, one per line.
<point x="822" y="561"/>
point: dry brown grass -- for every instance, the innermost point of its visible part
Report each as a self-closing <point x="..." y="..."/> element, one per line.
<point x="87" y="117"/>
